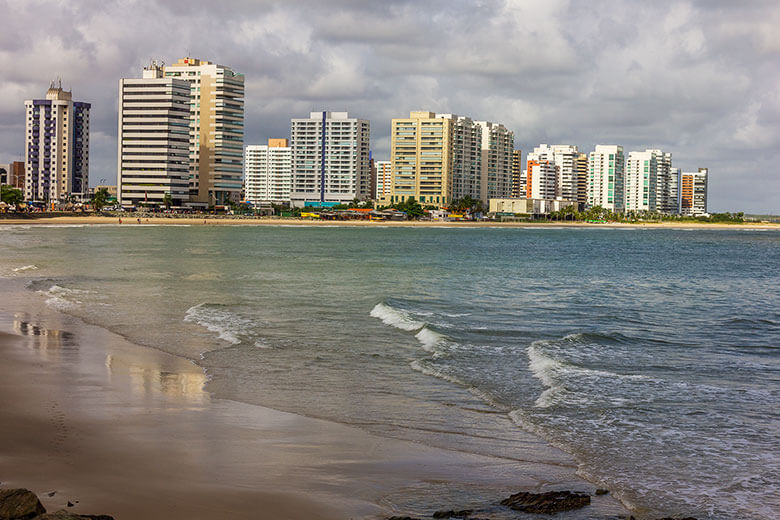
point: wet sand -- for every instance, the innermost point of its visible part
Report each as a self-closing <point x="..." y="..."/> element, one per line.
<point x="272" y="221"/>
<point x="128" y="431"/>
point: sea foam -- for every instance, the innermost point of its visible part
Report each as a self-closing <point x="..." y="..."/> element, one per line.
<point x="395" y="317"/>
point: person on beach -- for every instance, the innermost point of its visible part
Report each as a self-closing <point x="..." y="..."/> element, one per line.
<point x="120" y="220"/>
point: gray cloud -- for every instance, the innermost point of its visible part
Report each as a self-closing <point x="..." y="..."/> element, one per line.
<point x="699" y="78"/>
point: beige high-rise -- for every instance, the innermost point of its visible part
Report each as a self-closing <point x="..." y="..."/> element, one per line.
<point x="421" y="158"/>
<point x="216" y="129"/>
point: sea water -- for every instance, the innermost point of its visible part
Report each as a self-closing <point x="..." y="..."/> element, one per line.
<point x="651" y="356"/>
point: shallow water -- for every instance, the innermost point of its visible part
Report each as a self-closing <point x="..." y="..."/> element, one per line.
<point x="651" y="356"/>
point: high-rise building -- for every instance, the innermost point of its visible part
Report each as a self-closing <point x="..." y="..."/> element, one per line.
<point x="153" y="139"/>
<point x="268" y="172"/>
<point x="565" y="159"/>
<point x="674" y="191"/>
<point x="466" y="158"/>
<point x="384" y="180"/>
<point x="693" y="192"/>
<point x="542" y="177"/>
<point x="57" y="146"/>
<point x="216" y="129"/>
<point x="665" y="191"/>
<point x="12" y="174"/>
<point x="518" y="178"/>
<point x="497" y="146"/>
<point x="606" y="168"/>
<point x="641" y="177"/>
<point x="421" y="158"/>
<point x="582" y="183"/>
<point x="330" y="159"/>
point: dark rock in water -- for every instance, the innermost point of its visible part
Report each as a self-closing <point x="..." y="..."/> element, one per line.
<point x="453" y="514"/>
<point x="601" y="491"/>
<point x="546" y="503"/>
<point x="402" y="518"/>
<point x="51" y="493"/>
<point x="64" y="514"/>
<point x="70" y="504"/>
<point x="671" y="518"/>
<point x="19" y="504"/>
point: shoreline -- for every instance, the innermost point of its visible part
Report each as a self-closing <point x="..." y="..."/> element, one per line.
<point x="212" y="220"/>
<point x="111" y="424"/>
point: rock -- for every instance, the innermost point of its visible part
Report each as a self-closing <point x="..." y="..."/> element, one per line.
<point x="19" y="504"/>
<point x="64" y="514"/>
<point x="453" y="514"/>
<point x="70" y="504"/>
<point x="402" y="518"/>
<point x="51" y="493"/>
<point x="546" y="503"/>
<point x="600" y="492"/>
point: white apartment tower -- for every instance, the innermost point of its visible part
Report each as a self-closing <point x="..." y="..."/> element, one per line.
<point x="497" y="147"/>
<point x="330" y="159"/>
<point x="606" y="169"/>
<point x="641" y="180"/>
<point x="566" y="160"/>
<point x="56" y="147"/>
<point x="542" y="177"/>
<point x="268" y="172"/>
<point x="153" y="139"/>
<point x="216" y="129"/>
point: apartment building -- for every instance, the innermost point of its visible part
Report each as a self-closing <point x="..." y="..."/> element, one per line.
<point x="693" y="192"/>
<point x="216" y="129"/>
<point x="268" y="172"/>
<point x="497" y="147"/>
<point x="56" y="147"/>
<point x="518" y="177"/>
<point x="606" y="169"/>
<point x="384" y="180"/>
<point x="542" y="178"/>
<point x="466" y="157"/>
<point x="153" y="139"/>
<point x="330" y="159"/>
<point x="641" y="178"/>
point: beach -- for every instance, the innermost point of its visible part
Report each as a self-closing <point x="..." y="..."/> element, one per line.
<point x="125" y="430"/>
<point x="366" y="371"/>
<point x="217" y="220"/>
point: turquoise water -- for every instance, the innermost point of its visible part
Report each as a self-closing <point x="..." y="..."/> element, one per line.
<point x="651" y="356"/>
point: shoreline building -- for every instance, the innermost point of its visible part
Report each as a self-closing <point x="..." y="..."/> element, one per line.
<point x="674" y="191"/>
<point x="330" y="159"/>
<point x="467" y="175"/>
<point x="57" y="147"/>
<point x="566" y="160"/>
<point x="12" y="174"/>
<point x="666" y="196"/>
<point x="518" y="177"/>
<point x="693" y="193"/>
<point x="606" y="169"/>
<point x="421" y="158"/>
<point x="268" y="172"/>
<point x="497" y="148"/>
<point x="153" y="139"/>
<point x="641" y="180"/>
<point x="542" y="177"/>
<point x="582" y="184"/>
<point x="384" y="181"/>
<point x="216" y="130"/>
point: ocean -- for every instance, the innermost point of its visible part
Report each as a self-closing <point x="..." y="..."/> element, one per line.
<point x="650" y="356"/>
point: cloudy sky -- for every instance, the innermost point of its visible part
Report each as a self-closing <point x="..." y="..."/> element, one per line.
<point x="699" y="78"/>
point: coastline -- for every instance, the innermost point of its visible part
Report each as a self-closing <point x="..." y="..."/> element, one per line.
<point x="128" y="430"/>
<point x="212" y="220"/>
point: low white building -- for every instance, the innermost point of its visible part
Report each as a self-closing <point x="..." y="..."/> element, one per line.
<point x="529" y="206"/>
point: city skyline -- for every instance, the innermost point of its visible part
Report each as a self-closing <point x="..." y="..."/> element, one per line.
<point x="596" y="74"/>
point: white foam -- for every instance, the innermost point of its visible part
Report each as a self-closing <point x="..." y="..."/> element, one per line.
<point x="61" y="298"/>
<point x="219" y="321"/>
<point x="31" y="267"/>
<point x="395" y="317"/>
<point x="429" y="339"/>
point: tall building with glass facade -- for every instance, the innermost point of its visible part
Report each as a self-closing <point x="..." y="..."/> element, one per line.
<point x="56" y="147"/>
<point x="216" y="129"/>
<point x="497" y="146"/>
<point x="693" y="192"/>
<point x="153" y="139"/>
<point x="606" y="169"/>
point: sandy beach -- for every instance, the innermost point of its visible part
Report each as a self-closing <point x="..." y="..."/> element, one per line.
<point x="271" y="221"/>
<point x="126" y="430"/>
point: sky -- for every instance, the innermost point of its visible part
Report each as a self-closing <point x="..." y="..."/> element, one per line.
<point x="698" y="78"/>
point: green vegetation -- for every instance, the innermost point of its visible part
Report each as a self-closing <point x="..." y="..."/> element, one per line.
<point x="11" y="195"/>
<point x="100" y="199"/>
<point x="467" y="205"/>
<point x="599" y="214"/>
